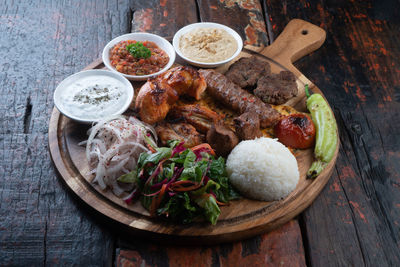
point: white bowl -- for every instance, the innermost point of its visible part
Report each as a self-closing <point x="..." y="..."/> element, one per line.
<point x="140" y="36"/>
<point x="67" y="86"/>
<point x="190" y="27"/>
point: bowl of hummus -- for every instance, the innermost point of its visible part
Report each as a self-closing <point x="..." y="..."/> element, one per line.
<point x="207" y="44"/>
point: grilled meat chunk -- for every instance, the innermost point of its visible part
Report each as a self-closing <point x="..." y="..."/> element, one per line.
<point x="277" y="88"/>
<point x="185" y="80"/>
<point x="199" y="116"/>
<point x="179" y="131"/>
<point x="221" y="139"/>
<point x="247" y="126"/>
<point x="238" y="99"/>
<point x="156" y="96"/>
<point x="246" y="71"/>
<point x="152" y="101"/>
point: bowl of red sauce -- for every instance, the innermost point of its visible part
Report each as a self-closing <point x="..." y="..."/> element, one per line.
<point x="139" y="56"/>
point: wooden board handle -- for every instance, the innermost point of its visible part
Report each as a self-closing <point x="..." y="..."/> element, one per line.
<point x="299" y="38"/>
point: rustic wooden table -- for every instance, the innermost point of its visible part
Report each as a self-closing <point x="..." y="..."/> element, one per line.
<point x="355" y="220"/>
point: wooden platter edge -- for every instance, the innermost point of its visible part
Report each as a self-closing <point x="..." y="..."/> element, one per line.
<point x="135" y="224"/>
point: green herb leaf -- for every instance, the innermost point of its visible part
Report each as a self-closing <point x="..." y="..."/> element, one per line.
<point x="203" y="190"/>
<point x="179" y="208"/>
<point x="142" y="160"/>
<point x="210" y="206"/>
<point x="173" y="143"/>
<point x="149" y="140"/>
<point x="138" y="50"/>
<point x="199" y="174"/>
<point x="187" y="204"/>
<point x="169" y="170"/>
<point x="217" y="167"/>
<point x="188" y="173"/>
<point x="129" y="177"/>
<point x="146" y="202"/>
<point x="162" y="153"/>
<point x="189" y="160"/>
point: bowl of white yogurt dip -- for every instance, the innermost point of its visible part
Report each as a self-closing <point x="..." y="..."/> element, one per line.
<point x="92" y="95"/>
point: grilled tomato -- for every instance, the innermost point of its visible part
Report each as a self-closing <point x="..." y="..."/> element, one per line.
<point x="296" y="131"/>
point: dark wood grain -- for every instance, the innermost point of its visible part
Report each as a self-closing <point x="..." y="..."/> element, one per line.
<point x="163" y="17"/>
<point x="246" y="17"/>
<point x="168" y="16"/>
<point x="273" y="249"/>
<point x="41" y="44"/>
<point x="355" y="221"/>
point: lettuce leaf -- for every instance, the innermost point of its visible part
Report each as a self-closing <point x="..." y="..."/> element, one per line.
<point x="178" y="205"/>
<point x="129" y="177"/>
<point x="210" y="207"/>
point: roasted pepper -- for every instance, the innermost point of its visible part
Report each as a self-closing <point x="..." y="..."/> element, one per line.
<point x="326" y="137"/>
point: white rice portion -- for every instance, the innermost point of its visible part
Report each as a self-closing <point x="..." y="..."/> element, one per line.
<point x="263" y="169"/>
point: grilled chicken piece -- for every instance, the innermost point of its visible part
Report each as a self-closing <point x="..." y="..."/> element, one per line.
<point x="186" y="80"/>
<point x="156" y="95"/>
<point x="152" y="101"/>
<point x="179" y="131"/>
<point x="199" y="116"/>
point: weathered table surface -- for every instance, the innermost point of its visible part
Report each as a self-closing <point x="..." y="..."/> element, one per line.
<point x="354" y="221"/>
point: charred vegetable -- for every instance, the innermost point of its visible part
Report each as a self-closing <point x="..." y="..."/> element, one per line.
<point x="326" y="138"/>
<point x="296" y="131"/>
<point x="181" y="184"/>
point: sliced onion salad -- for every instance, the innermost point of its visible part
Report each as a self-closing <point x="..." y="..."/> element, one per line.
<point x="113" y="147"/>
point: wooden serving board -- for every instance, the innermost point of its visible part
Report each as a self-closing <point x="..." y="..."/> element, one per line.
<point x="242" y="218"/>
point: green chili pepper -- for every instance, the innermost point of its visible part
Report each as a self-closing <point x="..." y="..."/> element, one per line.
<point x="326" y="136"/>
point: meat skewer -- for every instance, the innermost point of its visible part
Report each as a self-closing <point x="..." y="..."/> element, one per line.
<point x="238" y="99"/>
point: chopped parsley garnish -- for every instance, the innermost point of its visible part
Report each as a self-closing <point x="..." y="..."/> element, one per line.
<point x="138" y="50"/>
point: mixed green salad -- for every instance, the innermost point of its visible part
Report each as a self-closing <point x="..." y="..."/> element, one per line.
<point x="181" y="184"/>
